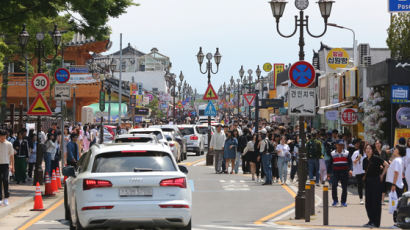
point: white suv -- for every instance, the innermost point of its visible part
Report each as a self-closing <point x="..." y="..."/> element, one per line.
<point x="195" y="140"/>
<point x="127" y="186"/>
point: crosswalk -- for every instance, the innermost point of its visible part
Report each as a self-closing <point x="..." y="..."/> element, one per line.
<point x="234" y="185"/>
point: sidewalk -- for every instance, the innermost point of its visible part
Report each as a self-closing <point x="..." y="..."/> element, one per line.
<point x="352" y="216"/>
<point x="20" y="194"/>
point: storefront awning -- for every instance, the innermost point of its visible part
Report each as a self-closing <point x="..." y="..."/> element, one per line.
<point x="332" y="106"/>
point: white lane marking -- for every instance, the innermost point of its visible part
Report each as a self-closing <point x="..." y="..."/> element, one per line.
<point x="242" y="181"/>
<point x="233" y="185"/>
<point x="222" y="181"/>
<point x="49" y="222"/>
<point x="226" y="227"/>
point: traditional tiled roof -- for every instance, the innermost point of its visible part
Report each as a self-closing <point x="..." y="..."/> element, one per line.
<point x="130" y="49"/>
<point x="79" y="39"/>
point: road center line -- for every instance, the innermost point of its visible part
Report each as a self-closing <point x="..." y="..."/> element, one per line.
<point x="42" y="215"/>
<point x="192" y="163"/>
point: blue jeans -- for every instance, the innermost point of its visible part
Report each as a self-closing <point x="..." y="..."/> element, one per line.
<point x="313" y="165"/>
<point x="283" y="169"/>
<point x="267" y="167"/>
<point x="238" y="162"/>
<point x="47" y="161"/>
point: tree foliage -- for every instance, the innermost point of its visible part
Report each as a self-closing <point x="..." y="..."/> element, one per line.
<point x="398" y="38"/>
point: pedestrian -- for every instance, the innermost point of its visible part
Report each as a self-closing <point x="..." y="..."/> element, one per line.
<point x="379" y="150"/>
<point x="375" y="169"/>
<point x="394" y="176"/>
<point x="66" y="136"/>
<point x="73" y="150"/>
<point x="407" y="164"/>
<point x="231" y="144"/>
<point x="51" y="148"/>
<point x="266" y="157"/>
<point x="341" y="170"/>
<point x="358" y="171"/>
<point x="21" y="148"/>
<point x="275" y="171"/>
<point x="238" y="154"/>
<point x="250" y="154"/>
<point x="217" y="147"/>
<point x="294" y="150"/>
<point x="314" y="153"/>
<point x="284" y="156"/>
<point x="6" y="166"/>
<point x="11" y="138"/>
<point x="242" y="143"/>
<point x="32" y="156"/>
<point x="86" y="139"/>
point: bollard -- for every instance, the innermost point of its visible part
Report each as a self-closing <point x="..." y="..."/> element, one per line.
<point x="325" y="205"/>
<point x="307" y="202"/>
<point x="312" y="197"/>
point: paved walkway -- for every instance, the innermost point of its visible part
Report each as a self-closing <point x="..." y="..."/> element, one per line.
<point x="20" y="194"/>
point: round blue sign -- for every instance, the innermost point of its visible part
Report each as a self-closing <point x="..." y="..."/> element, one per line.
<point x="302" y="74"/>
<point x="62" y="75"/>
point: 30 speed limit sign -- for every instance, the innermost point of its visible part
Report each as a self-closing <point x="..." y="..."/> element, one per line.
<point x="40" y="82"/>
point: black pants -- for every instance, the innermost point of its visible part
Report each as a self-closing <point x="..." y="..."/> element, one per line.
<point x="275" y="170"/>
<point x="245" y="165"/>
<point x="343" y="177"/>
<point x="4" y="180"/>
<point x="293" y="168"/>
<point x="30" y="169"/>
<point x="359" y="179"/>
<point x="373" y="192"/>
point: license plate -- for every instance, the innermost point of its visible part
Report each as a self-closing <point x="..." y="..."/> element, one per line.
<point x="129" y="192"/>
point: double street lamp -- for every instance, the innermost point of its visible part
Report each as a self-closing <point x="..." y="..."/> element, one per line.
<point x="217" y="58"/>
<point x="278" y="7"/>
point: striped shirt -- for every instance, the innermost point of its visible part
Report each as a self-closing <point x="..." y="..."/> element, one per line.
<point x="340" y="160"/>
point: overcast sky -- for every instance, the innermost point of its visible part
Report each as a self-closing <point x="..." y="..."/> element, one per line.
<point x="244" y="31"/>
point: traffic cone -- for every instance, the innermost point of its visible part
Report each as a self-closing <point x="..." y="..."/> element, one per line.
<point x="54" y="182"/>
<point x="38" y="200"/>
<point x="48" y="191"/>
<point x="58" y="179"/>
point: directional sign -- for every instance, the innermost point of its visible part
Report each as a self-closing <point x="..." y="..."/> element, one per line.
<point x="399" y="5"/>
<point x="39" y="107"/>
<point x="302" y="74"/>
<point x="210" y="93"/>
<point x="349" y="116"/>
<point x="302" y="102"/>
<point x="62" y="75"/>
<point x="62" y="92"/>
<point x="249" y="98"/>
<point x="210" y="110"/>
<point x="40" y="82"/>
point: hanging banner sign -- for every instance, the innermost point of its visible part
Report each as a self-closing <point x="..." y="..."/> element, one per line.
<point x="278" y="68"/>
<point x="398" y="133"/>
<point x="337" y="58"/>
<point x="133" y="89"/>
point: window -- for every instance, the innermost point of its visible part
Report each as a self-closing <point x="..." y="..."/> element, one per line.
<point x="123" y="66"/>
<point x="186" y="131"/>
<point x="84" y="161"/>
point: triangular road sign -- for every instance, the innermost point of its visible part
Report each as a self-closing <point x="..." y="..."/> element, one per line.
<point x="210" y="93"/>
<point x="179" y="105"/>
<point x="210" y="110"/>
<point x="249" y="97"/>
<point x="39" y="107"/>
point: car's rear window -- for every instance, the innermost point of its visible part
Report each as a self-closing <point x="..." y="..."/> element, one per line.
<point x="156" y="133"/>
<point x="186" y="131"/>
<point x="134" y="140"/>
<point x="168" y="129"/>
<point x="202" y="130"/>
<point x="129" y="161"/>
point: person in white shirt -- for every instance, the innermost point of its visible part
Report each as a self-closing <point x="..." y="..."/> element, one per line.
<point x="284" y="156"/>
<point x="217" y="146"/>
<point x="358" y="171"/>
<point x="6" y="165"/>
<point x="394" y="176"/>
<point x="406" y="162"/>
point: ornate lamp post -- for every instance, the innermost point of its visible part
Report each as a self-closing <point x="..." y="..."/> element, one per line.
<point x="112" y="68"/>
<point x="278" y="7"/>
<point x="257" y="90"/>
<point x="238" y="83"/>
<point x="217" y="57"/>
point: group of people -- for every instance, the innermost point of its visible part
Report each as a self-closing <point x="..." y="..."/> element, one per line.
<point x="269" y="153"/>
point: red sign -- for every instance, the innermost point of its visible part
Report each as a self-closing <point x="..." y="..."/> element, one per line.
<point x="210" y="93"/>
<point x="40" y="82"/>
<point x="349" y="116"/>
<point x="302" y="74"/>
<point x="249" y="97"/>
<point x="39" y="107"/>
<point x="62" y="75"/>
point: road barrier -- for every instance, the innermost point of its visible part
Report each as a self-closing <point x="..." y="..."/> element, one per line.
<point x="307" y="202"/>
<point x="325" y="205"/>
<point x="312" y="197"/>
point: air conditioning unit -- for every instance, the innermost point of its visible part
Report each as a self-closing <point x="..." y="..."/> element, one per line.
<point x="364" y="50"/>
<point x="366" y="60"/>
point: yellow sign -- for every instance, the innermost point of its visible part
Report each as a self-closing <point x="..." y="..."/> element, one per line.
<point x="399" y="133"/>
<point x="278" y="68"/>
<point x="133" y="89"/>
<point x="337" y="58"/>
<point x="39" y="107"/>
<point x="267" y="67"/>
<point x="139" y="100"/>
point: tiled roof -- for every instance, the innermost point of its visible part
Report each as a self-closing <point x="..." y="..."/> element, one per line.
<point x="79" y="39"/>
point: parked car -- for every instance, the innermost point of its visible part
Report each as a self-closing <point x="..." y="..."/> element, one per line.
<point x="203" y="129"/>
<point x="155" y="131"/>
<point x="111" y="129"/>
<point x="174" y="145"/>
<point x="178" y="135"/>
<point x="127" y="186"/>
<point x="195" y="140"/>
<point x="136" y="138"/>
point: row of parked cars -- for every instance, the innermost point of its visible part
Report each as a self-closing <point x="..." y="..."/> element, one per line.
<point x="134" y="180"/>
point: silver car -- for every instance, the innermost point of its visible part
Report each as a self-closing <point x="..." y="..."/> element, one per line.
<point x="195" y="140"/>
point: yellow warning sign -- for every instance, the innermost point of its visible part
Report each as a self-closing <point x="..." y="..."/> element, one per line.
<point x="39" y="107"/>
<point x="210" y="93"/>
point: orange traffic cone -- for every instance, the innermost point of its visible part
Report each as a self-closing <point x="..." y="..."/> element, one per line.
<point x="48" y="188"/>
<point x="58" y="177"/>
<point x="54" y="182"/>
<point x="38" y="200"/>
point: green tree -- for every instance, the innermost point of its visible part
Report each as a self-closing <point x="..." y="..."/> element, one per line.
<point x="398" y="38"/>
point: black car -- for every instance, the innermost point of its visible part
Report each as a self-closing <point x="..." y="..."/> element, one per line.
<point x="402" y="213"/>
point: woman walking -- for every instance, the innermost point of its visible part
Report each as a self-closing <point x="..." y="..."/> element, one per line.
<point x="235" y="134"/>
<point x="51" y="148"/>
<point x="32" y="156"/>
<point x="386" y="157"/>
<point x="86" y="139"/>
<point x="251" y="155"/>
<point x="20" y="160"/>
<point x="231" y="143"/>
<point x="358" y="171"/>
<point x="375" y="170"/>
<point x="283" y="159"/>
<point x="394" y="176"/>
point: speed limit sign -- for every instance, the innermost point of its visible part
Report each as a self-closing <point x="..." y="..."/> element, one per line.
<point x="40" y="82"/>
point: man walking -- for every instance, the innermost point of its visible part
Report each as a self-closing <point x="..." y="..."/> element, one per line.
<point x="73" y="151"/>
<point x="314" y="153"/>
<point x="217" y="146"/>
<point x="341" y="170"/>
<point x="6" y="164"/>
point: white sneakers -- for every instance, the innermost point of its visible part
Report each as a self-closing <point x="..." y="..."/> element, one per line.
<point x="5" y="202"/>
<point x="361" y="201"/>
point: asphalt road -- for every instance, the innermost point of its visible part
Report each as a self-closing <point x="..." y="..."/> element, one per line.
<point x="220" y="201"/>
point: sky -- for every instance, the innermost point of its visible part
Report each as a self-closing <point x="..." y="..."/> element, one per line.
<point x="243" y="30"/>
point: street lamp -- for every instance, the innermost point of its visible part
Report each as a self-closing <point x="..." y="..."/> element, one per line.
<point x="278" y="7"/>
<point x="238" y="83"/>
<point x="354" y="37"/>
<point x="217" y="58"/>
<point x="257" y="88"/>
<point x="112" y="68"/>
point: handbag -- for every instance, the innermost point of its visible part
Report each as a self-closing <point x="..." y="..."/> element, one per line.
<point x="392" y="201"/>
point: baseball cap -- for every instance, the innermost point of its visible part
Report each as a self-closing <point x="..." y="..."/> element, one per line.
<point x="340" y="142"/>
<point x="263" y="131"/>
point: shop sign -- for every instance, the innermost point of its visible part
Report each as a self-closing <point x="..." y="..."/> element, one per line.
<point x="403" y="116"/>
<point x="332" y="115"/>
<point x="399" y="133"/>
<point x="400" y="94"/>
<point x="349" y="116"/>
<point x="337" y="58"/>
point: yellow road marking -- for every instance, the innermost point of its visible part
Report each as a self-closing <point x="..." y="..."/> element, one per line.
<point x="41" y="216"/>
<point x="280" y="211"/>
<point x="192" y="163"/>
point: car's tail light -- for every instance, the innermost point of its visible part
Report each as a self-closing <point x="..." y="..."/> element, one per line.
<point x="96" y="207"/>
<point x="90" y="184"/>
<point x="193" y="137"/>
<point x="174" y="206"/>
<point x="174" y="182"/>
<point x="171" y="144"/>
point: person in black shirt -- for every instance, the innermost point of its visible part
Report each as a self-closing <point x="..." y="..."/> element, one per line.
<point x="375" y="168"/>
<point x="21" y="148"/>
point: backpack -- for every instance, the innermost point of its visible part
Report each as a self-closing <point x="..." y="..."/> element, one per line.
<point x="271" y="147"/>
<point x="314" y="149"/>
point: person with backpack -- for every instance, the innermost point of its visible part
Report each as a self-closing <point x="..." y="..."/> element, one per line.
<point x="284" y="157"/>
<point x="314" y="153"/>
<point x="266" y="157"/>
